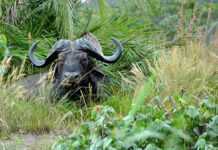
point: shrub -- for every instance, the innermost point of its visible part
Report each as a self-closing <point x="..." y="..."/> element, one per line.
<point x="150" y="130"/>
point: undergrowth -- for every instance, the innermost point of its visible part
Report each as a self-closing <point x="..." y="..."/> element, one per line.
<point x="175" y="107"/>
<point x="162" y="94"/>
<point x="20" y="115"/>
<point x="150" y="127"/>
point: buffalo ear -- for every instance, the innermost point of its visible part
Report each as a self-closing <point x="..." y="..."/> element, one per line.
<point x="98" y="75"/>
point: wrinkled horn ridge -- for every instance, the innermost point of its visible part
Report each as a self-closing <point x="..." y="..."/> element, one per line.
<point x="97" y="52"/>
<point x="40" y="63"/>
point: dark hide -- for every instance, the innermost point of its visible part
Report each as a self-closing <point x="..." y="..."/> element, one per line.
<point x="76" y="73"/>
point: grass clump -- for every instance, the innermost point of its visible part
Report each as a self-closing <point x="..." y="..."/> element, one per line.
<point x="191" y="69"/>
<point x="120" y="103"/>
<point x="19" y="114"/>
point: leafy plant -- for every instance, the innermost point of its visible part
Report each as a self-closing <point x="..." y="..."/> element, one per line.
<point x="164" y="87"/>
<point x="4" y="55"/>
<point x="106" y="131"/>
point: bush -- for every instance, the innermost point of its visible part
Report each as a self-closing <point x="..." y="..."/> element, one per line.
<point x="186" y="128"/>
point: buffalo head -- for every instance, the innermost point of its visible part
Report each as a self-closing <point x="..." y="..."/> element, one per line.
<point x="74" y="69"/>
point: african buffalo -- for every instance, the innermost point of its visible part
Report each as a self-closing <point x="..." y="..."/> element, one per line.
<point x="74" y="71"/>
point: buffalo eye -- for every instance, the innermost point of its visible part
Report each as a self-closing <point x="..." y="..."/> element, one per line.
<point x="84" y="60"/>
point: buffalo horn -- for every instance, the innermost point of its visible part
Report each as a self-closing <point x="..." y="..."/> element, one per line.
<point x="41" y="63"/>
<point x="91" y="45"/>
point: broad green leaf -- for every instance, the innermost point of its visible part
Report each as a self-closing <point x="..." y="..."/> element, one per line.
<point x="213" y="127"/>
<point x="152" y="147"/>
<point x="3" y="41"/>
<point x="192" y="112"/>
<point x="200" y="144"/>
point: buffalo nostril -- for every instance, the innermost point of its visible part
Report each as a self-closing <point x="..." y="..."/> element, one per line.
<point x="71" y="75"/>
<point x="75" y="76"/>
<point x="67" y="74"/>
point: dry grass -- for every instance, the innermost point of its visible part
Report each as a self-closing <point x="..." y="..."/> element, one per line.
<point x="36" y="115"/>
<point x="191" y="69"/>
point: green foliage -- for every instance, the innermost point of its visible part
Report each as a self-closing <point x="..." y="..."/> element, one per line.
<point x="145" y="130"/>
<point x="4" y="51"/>
<point x="175" y="102"/>
<point x="4" y="54"/>
<point x="120" y="103"/>
<point x="144" y="93"/>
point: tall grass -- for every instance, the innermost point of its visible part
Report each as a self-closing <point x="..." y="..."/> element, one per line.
<point x="164" y="79"/>
<point x="190" y="69"/>
<point x="20" y="113"/>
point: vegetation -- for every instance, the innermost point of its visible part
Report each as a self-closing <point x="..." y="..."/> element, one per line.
<point x="162" y="94"/>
